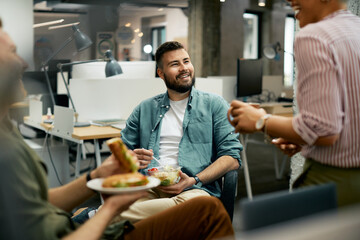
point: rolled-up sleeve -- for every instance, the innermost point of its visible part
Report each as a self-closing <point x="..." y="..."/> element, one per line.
<point x="319" y="91"/>
<point x="226" y="141"/>
<point x="130" y="134"/>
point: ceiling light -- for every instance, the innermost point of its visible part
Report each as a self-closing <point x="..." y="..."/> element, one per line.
<point x="262" y="3"/>
<point x="62" y="26"/>
<point x="147" y="48"/>
<point x="140" y="34"/>
<point x="136" y="30"/>
<point x="128" y="25"/>
<point x="160" y="9"/>
<point x="47" y="23"/>
<point x="222" y="0"/>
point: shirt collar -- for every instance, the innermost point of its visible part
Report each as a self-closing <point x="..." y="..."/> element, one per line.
<point x="166" y="100"/>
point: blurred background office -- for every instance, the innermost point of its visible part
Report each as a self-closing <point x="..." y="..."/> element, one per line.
<point x="217" y="33"/>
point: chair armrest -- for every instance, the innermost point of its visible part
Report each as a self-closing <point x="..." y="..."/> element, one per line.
<point x="228" y="191"/>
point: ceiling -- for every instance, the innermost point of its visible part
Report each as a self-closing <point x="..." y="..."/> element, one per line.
<point x="81" y="4"/>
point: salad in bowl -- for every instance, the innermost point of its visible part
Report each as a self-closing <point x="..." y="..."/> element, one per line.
<point x="168" y="174"/>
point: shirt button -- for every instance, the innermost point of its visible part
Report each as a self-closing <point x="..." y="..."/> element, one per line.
<point x="161" y="115"/>
<point x="152" y="130"/>
<point x="167" y="106"/>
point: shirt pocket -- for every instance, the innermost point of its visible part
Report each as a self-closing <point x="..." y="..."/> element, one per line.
<point x="200" y="131"/>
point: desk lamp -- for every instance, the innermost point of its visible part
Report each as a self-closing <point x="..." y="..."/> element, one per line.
<point x="112" y="68"/>
<point x="82" y="42"/>
<point x="271" y="51"/>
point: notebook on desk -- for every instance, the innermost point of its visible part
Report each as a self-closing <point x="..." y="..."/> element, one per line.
<point x="119" y="126"/>
<point x="108" y="122"/>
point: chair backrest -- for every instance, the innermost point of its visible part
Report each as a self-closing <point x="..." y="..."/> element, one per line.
<point x="282" y="206"/>
<point x="228" y="185"/>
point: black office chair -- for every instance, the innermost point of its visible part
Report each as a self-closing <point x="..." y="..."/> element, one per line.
<point x="282" y="206"/>
<point x="228" y="185"/>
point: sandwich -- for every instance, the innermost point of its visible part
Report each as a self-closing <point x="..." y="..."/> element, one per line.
<point x="125" y="180"/>
<point x="128" y="162"/>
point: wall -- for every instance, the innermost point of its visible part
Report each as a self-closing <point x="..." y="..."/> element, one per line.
<point x="17" y="18"/>
<point x="231" y="42"/>
<point x="354" y="6"/>
<point x="175" y="21"/>
<point x="273" y="23"/>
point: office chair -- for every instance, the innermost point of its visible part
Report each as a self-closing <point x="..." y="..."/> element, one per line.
<point x="282" y="206"/>
<point x="228" y="184"/>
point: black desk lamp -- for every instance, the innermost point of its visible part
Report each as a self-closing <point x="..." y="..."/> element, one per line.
<point x="82" y="42"/>
<point x="112" y="68"/>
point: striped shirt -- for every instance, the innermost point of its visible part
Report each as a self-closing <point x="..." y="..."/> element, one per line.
<point x="327" y="55"/>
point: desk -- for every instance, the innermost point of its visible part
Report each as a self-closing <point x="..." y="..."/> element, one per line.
<point x="278" y="108"/>
<point x="78" y="136"/>
<point x="275" y="108"/>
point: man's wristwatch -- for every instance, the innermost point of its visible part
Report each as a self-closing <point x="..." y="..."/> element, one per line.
<point x="198" y="181"/>
<point x="260" y="123"/>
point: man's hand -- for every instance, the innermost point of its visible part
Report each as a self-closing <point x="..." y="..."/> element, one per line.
<point x="243" y="116"/>
<point x="109" y="167"/>
<point x="185" y="182"/>
<point x="144" y="156"/>
<point x="286" y="147"/>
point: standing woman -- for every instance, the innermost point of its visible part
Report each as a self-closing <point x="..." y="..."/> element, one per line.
<point x="327" y="128"/>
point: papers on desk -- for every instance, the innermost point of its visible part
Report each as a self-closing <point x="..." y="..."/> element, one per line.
<point x="119" y="125"/>
<point x="115" y="122"/>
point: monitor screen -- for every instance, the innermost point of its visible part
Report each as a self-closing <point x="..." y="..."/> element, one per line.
<point x="249" y="77"/>
<point x="35" y="82"/>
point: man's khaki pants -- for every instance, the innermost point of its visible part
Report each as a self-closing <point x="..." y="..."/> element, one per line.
<point x="156" y="202"/>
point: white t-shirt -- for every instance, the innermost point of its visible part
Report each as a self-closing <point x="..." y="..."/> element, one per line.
<point x="172" y="132"/>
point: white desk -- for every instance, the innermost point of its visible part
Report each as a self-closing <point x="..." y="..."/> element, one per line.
<point x="281" y="109"/>
<point x="79" y="135"/>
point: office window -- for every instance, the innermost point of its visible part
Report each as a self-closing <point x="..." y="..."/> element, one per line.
<point x="289" y="70"/>
<point x="157" y="38"/>
<point x="251" y="35"/>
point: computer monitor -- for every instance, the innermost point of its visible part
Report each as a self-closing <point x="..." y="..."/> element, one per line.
<point x="249" y="77"/>
<point x="35" y="82"/>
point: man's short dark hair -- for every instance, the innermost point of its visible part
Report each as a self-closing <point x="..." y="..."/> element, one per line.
<point x="166" y="47"/>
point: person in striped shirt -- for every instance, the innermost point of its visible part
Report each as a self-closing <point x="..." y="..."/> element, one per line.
<point x="327" y="127"/>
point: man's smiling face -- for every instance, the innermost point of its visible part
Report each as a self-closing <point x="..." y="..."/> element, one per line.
<point x="177" y="71"/>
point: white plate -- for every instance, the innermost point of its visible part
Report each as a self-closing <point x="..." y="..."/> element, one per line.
<point x="96" y="184"/>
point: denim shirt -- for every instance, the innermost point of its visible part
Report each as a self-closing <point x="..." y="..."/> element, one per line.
<point x="207" y="134"/>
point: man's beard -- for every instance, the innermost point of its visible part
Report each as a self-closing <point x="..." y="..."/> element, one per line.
<point x="179" y="88"/>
